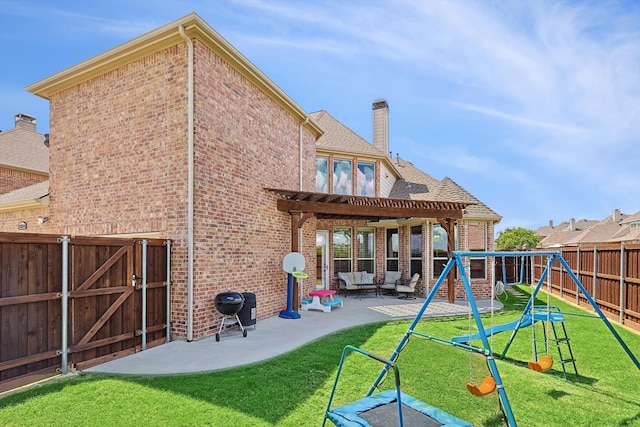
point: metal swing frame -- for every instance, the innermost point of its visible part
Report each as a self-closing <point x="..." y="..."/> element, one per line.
<point x="557" y="256"/>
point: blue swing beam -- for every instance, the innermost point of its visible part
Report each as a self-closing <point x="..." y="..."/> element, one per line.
<point x="553" y="256"/>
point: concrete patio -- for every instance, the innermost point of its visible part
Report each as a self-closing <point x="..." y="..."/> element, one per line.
<point x="275" y="336"/>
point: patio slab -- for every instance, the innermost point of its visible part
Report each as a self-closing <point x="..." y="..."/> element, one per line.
<point x="274" y="336"/>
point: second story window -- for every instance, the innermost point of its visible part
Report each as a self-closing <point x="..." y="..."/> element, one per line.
<point x="322" y="175"/>
<point x="366" y="179"/>
<point x="342" y="177"/>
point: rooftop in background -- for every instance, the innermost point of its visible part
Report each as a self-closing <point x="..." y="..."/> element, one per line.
<point x="615" y="228"/>
<point x="23" y="147"/>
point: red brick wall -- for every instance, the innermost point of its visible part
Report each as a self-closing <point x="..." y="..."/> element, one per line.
<point x="245" y="143"/>
<point x="118" y="160"/>
<point x="9" y="221"/>
<point x="12" y="179"/>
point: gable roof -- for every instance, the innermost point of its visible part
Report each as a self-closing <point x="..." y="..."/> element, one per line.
<point x="415" y="184"/>
<point x="340" y="139"/>
<point x="162" y="38"/>
<point x="24" y="149"/>
<point x="36" y="195"/>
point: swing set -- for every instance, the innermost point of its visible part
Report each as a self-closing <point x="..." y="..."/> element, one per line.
<point x="393" y="407"/>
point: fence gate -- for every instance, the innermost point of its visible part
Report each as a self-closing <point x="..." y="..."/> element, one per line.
<point x="113" y="291"/>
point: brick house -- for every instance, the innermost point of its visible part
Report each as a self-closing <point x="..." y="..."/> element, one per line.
<point x="176" y="135"/>
<point x="24" y="174"/>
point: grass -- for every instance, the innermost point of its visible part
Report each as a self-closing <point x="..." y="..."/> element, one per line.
<point x="293" y="390"/>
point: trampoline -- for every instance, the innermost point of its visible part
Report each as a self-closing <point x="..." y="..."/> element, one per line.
<point x="382" y="410"/>
<point x="389" y="407"/>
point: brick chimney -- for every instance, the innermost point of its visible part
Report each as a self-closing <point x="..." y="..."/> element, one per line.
<point x="381" y="126"/>
<point x="25" y="121"/>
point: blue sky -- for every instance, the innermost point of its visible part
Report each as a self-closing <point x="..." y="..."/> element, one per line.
<point x="533" y="107"/>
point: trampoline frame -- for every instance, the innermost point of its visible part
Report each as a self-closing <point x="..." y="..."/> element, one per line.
<point x="348" y="415"/>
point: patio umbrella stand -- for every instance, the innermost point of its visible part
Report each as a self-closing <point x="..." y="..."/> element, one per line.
<point x="229" y="305"/>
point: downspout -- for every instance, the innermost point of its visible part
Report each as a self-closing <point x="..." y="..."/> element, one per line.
<point x="190" y="189"/>
<point x="306" y="120"/>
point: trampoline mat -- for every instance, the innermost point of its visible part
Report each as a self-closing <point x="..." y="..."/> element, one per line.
<point x="387" y="415"/>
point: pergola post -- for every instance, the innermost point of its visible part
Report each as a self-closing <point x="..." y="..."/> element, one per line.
<point x="448" y="225"/>
<point x="297" y="221"/>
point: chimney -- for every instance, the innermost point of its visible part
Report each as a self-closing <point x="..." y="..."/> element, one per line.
<point x="550" y="223"/>
<point x="25" y="121"/>
<point x="573" y="225"/>
<point x="616" y="216"/>
<point x="381" y="125"/>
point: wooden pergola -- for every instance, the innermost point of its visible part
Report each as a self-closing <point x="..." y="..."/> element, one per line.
<point x="302" y="205"/>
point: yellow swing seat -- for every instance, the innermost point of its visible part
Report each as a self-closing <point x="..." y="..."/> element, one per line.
<point x="488" y="386"/>
<point x="544" y="364"/>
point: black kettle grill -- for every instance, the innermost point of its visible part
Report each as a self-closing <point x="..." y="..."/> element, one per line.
<point x="229" y="305"/>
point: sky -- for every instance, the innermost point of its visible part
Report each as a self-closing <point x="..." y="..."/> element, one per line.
<point x="531" y="106"/>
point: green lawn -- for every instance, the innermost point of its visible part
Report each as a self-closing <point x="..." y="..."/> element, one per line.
<point x="293" y="390"/>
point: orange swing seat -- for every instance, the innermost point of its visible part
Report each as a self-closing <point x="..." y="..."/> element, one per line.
<point x="544" y="364"/>
<point x="488" y="386"/>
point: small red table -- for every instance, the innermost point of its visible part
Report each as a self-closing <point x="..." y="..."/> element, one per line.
<point x="322" y="300"/>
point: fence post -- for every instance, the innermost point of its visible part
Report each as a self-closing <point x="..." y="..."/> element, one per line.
<point x="579" y="270"/>
<point x="562" y="275"/>
<point x="144" y="294"/>
<point x="595" y="273"/>
<point x="168" y="333"/>
<point x="622" y="300"/>
<point x="64" y="351"/>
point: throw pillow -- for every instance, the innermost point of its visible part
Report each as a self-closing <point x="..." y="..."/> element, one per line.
<point x="367" y="278"/>
<point x="345" y="279"/>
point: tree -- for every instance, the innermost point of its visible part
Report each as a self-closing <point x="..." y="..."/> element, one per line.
<point x="517" y="238"/>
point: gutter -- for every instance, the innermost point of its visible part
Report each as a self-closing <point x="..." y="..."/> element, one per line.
<point x="190" y="189"/>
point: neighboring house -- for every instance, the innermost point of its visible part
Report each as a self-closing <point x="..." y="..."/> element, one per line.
<point x="176" y="135"/>
<point x="615" y="228"/>
<point x="24" y="174"/>
<point x="629" y="230"/>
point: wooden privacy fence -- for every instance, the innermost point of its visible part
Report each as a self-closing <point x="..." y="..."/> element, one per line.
<point x="610" y="273"/>
<point x="69" y="303"/>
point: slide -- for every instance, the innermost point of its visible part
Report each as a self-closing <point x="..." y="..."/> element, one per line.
<point x="496" y="329"/>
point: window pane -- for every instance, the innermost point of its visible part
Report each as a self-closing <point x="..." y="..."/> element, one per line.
<point x="439" y="239"/>
<point x="478" y="268"/>
<point x="341" y="266"/>
<point x="366" y="242"/>
<point x="322" y="177"/>
<point x="365" y="265"/>
<point x="392" y="265"/>
<point x="416" y="242"/>
<point x="342" y="181"/>
<point x="438" y="267"/>
<point x="393" y="244"/>
<point x="366" y="249"/>
<point x="341" y="250"/>
<point x="342" y="242"/>
<point x="366" y="179"/>
<point x="416" y="267"/>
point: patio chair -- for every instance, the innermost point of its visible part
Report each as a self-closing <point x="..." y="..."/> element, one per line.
<point x="391" y="279"/>
<point x="407" y="291"/>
